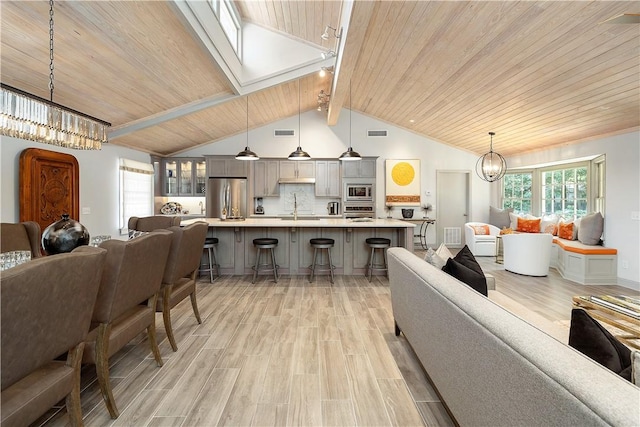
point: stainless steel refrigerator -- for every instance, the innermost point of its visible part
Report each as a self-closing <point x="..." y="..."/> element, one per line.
<point x="228" y="195"/>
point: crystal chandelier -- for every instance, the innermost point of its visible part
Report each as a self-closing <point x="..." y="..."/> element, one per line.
<point x="30" y="117"/>
<point x="491" y="166"/>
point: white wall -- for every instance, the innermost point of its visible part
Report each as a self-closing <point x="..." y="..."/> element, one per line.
<point x="622" y="193"/>
<point x="99" y="189"/>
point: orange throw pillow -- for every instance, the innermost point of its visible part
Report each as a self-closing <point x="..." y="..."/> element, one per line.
<point x="565" y="230"/>
<point x="480" y="229"/>
<point x="529" y="225"/>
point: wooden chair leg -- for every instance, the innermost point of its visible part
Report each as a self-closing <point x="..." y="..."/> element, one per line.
<point x="102" y="368"/>
<point x="194" y="302"/>
<point x="151" y="331"/>
<point x="72" y="401"/>
<point x="166" y="316"/>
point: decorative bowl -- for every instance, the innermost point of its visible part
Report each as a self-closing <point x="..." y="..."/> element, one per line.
<point x="171" y="208"/>
<point x="407" y="213"/>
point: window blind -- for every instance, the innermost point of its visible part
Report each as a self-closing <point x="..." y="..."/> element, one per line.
<point x="136" y="191"/>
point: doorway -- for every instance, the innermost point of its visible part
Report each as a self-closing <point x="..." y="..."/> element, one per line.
<point x="452" y="206"/>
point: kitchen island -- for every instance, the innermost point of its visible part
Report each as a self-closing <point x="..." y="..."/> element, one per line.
<point x="236" y="253"/>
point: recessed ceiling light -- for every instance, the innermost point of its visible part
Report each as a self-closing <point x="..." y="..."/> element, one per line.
<point x="412" y="121"/>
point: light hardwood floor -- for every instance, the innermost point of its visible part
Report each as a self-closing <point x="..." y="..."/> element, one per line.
<point x="292" y="353"/>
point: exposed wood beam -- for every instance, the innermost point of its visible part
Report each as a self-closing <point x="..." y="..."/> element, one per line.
<point x="357" y="15"/>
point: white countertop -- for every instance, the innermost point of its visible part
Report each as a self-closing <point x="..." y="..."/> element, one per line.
<point x="305" y="223"/>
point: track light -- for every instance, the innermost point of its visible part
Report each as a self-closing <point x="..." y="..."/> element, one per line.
<point x="328" y="54"/>
<point x="325" y="36"/>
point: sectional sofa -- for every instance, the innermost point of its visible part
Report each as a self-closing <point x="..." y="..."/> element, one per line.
<point x="490" y="367"/>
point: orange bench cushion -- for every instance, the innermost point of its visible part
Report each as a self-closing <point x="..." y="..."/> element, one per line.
<point x="579" y="248"/>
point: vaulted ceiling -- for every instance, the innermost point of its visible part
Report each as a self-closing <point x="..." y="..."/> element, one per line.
<point x="538" y="73"/>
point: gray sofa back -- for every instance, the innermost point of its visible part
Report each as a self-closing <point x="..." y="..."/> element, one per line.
<point x="492" y="368"/>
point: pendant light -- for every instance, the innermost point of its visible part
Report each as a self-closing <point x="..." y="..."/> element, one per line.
<point x="299" y="154"/>
<point x="350" y="155"/>
<point x="37" y="119"/>
<point x="491" y="166"/>
<point x="247" y="154"/>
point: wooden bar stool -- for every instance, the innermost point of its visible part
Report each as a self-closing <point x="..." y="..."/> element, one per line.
<point x="318" y="244"/>
<point x="268" y="244"/>
<point x="210" y="244"/>
<point x="377" y="243"/>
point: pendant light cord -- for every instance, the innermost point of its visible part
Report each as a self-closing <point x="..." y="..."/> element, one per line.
<point x="247" y="121"/>
<point x="350" y="110"/>
<point x="299" y="122"/>
<point x="51" y="50"/>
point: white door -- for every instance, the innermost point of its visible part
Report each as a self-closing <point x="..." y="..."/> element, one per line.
<point x="452" y="207"/>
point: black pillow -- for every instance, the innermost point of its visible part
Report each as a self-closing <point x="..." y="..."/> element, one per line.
<point x="591" y="339"/>
<point x="466" y="258"/>
<point x="466" y="275"/>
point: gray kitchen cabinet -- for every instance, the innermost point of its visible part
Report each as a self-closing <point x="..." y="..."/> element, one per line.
<point x="266" y="174"/>
<point x="327" y="178"/>
<point x="291" y="169"/>
<point x="227" y="166"/>
<point x="183" y="176"/>
<point x="365" y="168"/>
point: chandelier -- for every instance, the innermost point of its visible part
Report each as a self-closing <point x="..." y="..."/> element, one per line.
<point x="30" y="117"/>
<point x="491" y="166"/>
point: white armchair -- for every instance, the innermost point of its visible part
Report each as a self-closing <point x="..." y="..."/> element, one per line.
<point x="527" y="253"/>
<point x="481" y="244"/>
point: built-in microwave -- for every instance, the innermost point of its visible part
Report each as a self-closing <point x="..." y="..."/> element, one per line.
<point x="358" y="192"/>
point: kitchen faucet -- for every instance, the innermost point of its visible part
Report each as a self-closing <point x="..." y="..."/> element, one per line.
<point x="201" y="207"/>
<point x="295" y="207"/>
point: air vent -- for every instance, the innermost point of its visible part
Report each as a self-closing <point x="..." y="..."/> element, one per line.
<point x="284" y="132"/>
<point x="376" y="133"/>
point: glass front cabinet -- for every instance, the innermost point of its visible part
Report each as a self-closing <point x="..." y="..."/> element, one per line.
<point x="183" y="176"/>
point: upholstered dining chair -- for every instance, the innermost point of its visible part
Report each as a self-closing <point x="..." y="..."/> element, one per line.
<point x="22" y="236"/>
<point x="150" y="223"/>
<point x="126" y="302"/>
<point x="181" y="273"/>
<point x="46" y="312"/>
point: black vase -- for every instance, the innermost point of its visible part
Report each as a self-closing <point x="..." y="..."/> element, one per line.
<point x="64" y="236"/>
<point x="407" y="213"/>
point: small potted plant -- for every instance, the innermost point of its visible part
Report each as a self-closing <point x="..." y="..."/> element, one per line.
<point x="388" y="207"/>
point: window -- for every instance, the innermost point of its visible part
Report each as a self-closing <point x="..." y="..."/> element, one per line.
<point x="229" y="19"/>
<point x="564" y="191"/>
<point x="517" y="191"/>
<point x="136" y="191"/>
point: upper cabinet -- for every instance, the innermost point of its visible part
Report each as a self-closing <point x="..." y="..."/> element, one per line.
<point x="365" y="168"/>
<point x="183" y="176"/>
<point x="327" y="178"/>
<point x="227" y="166"/>
<point x="265" y="178"/>
<point x="291" y="169"/>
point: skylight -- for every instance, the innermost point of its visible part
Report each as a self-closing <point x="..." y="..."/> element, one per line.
<point x="229" y="19"/>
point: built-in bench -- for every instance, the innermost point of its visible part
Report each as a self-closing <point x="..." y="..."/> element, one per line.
<point x="584" y="264"/>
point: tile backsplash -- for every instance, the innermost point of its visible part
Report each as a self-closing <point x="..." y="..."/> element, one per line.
<point x="308" y="204"/>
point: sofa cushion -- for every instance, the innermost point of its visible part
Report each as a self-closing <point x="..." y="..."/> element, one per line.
<point x="466" y="258"/>
<point x="444" y="252"/>
<point x="528" y="225"/>
<point x="549" y="224"/>
<point x="480" y="229"/>
<point x="591" y="227"/>
<point x="565" y="230"/>
<point x="434" y="259"/>
<point x="466" y="275"/>
<point x="499" y="217"/>
<point x="591" y="339"/>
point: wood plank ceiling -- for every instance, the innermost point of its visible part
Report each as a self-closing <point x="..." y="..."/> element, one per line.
<point x="538" y="73"/>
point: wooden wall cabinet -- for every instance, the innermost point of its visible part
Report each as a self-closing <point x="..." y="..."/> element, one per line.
<point x="328" y="178"/>
<point x="291" y="169"/>
<point x="266" y="174"/>
<point x="365" y="168"/>
<point x="227" y="166"/>
<point x="183" y="176"/>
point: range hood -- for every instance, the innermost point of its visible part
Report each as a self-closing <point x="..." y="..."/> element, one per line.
<point x="297" y="181"/>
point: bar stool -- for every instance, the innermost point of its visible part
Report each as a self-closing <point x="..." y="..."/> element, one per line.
<point x="210" y="244"/>
<point x="269" y="244"/>
<point x="321" y="243"/>
<point x="377" y="243"/>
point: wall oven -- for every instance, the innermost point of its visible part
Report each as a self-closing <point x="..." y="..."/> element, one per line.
<point x="359" y="210"/>
<point x="358" y="192"/>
